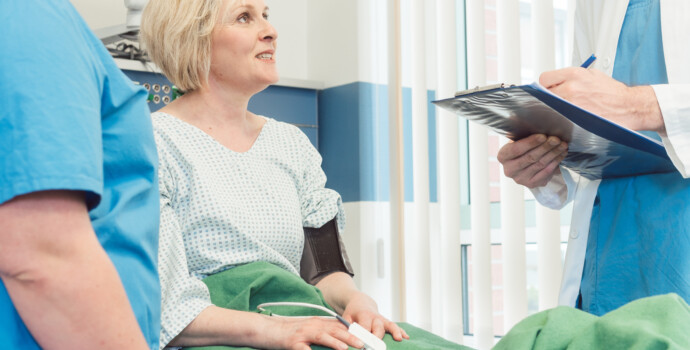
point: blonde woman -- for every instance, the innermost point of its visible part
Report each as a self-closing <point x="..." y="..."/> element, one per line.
<point x="237" y="188"/>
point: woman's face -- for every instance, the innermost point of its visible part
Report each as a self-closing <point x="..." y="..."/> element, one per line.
<point x="243" y="47"/>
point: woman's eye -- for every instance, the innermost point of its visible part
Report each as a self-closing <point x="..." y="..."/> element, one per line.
<point x="243" y="18"/>
<point x="265" y="16"/>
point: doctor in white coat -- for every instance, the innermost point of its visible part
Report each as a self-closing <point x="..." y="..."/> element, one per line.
<point x="629" y="237"/>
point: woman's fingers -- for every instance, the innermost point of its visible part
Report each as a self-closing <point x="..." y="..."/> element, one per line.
<point x="337" y="339"/>
<point x="396" y="332"/>
<point x="330" y="333"/>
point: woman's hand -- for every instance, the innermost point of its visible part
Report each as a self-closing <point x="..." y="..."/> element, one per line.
<point x="363" y="310"/>
<point x="341" y="293"/>
<point x="219" y="326"/>
<point x="299" y="333"/>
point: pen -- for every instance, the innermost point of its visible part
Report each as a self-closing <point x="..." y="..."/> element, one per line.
<point x="589" y="61"/>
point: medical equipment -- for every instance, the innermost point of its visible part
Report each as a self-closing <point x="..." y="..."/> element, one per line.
<point x="371" y="342"/>
<point x="161" y="90"/>
<point x="134" y="10"/>
<point x="324" y="253"/>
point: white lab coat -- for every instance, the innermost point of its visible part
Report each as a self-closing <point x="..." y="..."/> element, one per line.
<point x="597" y="28"/>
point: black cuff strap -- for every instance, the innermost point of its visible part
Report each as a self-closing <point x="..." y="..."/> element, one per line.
<point x="324" y="253"/>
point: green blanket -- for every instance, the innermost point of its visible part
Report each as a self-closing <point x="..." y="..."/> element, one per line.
<point x="660" y="322"/>
<point x="245" y="287"/>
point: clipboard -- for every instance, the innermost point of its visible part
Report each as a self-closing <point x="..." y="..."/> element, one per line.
<point x="597" y="147"/>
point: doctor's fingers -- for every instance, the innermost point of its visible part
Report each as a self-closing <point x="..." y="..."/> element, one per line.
<point x="518" y="148"/>
<point x="537" y="176"/>
<point x="557" y="77"/>
<point x="540" y="155"/>
<point x="532" y="146"/>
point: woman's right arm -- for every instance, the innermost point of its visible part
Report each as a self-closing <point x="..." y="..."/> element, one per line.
<point x="183" y="296"/>
<point x="219" y="326"/>
<point x="190" y="319"/>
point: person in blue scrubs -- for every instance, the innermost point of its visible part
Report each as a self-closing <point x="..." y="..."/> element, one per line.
<point x="638" y="236"/>
<point x="638" y="230"/>
<point x="78" y="189"/>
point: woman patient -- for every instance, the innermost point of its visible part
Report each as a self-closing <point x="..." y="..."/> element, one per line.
<point x="236" y="188"/>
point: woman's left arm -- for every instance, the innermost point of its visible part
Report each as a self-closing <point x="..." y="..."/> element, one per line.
<point x="340" y="292"/>
<point x="319" y="205"/>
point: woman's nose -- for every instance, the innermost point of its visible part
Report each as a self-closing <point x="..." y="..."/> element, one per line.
<point x="269" y="32"/>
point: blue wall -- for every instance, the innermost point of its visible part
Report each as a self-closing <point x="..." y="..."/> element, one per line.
<point x="353" y="135"/>
<point x="292" y="105"/>
<point x="348" y="124"/>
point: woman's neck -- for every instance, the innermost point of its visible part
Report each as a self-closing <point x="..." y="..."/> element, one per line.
<point x="216" y="104"/>
<point x="221" y="114"/>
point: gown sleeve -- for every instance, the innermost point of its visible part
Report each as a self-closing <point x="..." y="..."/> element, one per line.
<point x="184" y="296"/>
<point x="318" y="203"/>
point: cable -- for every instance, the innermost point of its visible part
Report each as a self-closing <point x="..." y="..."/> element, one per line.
<point x="370" y="341"/>
<point x="260" y="307"/>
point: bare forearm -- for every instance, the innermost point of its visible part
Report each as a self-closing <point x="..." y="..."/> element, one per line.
<point x="645" y="109"/>
<point x="218" y="326"/>
<point x="75" y="304"/>
<point x="340" y="292"/>
<point x="60" y="279"/>
<point x="337" y="289"/>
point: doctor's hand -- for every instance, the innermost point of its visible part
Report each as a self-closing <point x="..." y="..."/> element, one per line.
<point x="532" y="161"/>
<point x="363" y="310"/>
<point x="635" y="108"/>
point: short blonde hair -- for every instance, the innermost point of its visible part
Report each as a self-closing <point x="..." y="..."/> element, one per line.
<point x="177" y="36"/>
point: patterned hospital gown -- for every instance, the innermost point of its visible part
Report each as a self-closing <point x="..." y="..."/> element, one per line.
<point x="221" y="208"/>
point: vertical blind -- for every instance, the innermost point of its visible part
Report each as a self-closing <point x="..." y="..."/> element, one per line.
<point x="435" y="302"/>
<point x="448" y="153"/>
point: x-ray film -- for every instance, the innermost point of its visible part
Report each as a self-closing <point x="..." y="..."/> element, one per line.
<point x="597" y="148"/>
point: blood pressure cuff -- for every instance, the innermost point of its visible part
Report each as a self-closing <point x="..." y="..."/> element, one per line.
<point x="324" y="253"/>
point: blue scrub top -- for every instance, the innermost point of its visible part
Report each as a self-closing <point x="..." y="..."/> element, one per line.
<point x="71" y="120"/>
<point x="639" y="240"/>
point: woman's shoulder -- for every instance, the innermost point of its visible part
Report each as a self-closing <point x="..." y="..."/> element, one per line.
<point x="165" y="128"/>
<point x="162" y="120"/>
<point x="286" y="132"/>
<point x="172" y="129"/>
<point x="164" y="125"/>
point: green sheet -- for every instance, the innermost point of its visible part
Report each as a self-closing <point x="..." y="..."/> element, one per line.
<point x="659" y="322"/>
<point x="245" y="287"/>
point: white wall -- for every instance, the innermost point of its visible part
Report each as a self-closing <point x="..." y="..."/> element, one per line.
<point x="101" y="13"/>
<point x="332" y="36"/>
<point x="335" y="42"/>
<point x="289" y="18"/>
<point x="348" y="42"/>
